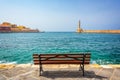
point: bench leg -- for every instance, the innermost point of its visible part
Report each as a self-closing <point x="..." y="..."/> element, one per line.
<point x="41" y="70"/>
<point x="81" y="68"/>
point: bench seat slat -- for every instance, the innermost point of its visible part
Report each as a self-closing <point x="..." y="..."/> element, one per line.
<point x="61" y="59"/>
<point x="64" y="57"/>
<point x="37" y="56"/>
<point x="42" y="55"/>
<point x="65" y="54"/>
<point x="86" y="59"/>
<point x="62" y="62"/>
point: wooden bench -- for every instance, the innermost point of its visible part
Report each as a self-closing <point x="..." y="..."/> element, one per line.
<point x="40" y="59"/>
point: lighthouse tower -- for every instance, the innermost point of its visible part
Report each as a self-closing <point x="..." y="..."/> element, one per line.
<point x="79" y="30"/>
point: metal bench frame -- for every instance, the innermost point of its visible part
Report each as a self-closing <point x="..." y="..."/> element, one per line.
<point x="82" y="59"/>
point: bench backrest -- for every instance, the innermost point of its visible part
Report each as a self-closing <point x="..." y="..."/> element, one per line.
<point x="61" y="58"/>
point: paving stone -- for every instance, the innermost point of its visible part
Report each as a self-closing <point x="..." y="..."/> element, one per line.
<point x="117" y="72"/>
<point x="28" y="78"/>
<point x="6" y="73"/>
<point x="35" y="73"/>
<point x="94" y="70"/>
<point x="106" y="73"/>
<point x="2" y="77"/>
<point x="32" y="65"/>
<point x="24" y="65"/>
<point x="51" y="66"/>
<point x="15" y="78"/>
<point x="14" y="71"/>
<point x="74" y="66"/>
<point x="59" y="72"/>
<point x="116" y="75"/>
<point x="64" y="66"/>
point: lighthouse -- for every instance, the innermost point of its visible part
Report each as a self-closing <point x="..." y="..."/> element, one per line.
<point x="79" y="30"/>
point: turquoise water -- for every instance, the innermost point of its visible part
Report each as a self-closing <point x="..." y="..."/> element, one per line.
<point x="19" y="47"/>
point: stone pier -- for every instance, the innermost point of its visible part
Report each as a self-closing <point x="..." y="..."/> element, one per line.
<point x="59" y="72"/>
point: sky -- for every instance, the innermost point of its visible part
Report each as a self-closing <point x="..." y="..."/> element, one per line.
<point x="62" y="15"/>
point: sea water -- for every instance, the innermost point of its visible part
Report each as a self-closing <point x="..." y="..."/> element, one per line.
<point x="19" y="47"/>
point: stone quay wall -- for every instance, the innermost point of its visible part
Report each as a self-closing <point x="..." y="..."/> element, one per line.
<point x="101" y="31"/>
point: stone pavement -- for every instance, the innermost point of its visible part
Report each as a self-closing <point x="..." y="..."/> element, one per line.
<point x="59" y="72"/>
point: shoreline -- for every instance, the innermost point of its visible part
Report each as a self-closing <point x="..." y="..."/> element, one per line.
<point x="9" y="66"/>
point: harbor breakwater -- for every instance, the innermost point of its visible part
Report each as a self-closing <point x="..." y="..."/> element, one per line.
<point x="101" y="31"/>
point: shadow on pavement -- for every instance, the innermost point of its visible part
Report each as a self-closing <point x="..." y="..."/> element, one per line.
<point x="71" y="74"/>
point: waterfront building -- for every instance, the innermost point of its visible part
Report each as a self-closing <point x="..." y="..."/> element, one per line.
<point x="5" y="27"/>
<point x="8" y="27"/>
